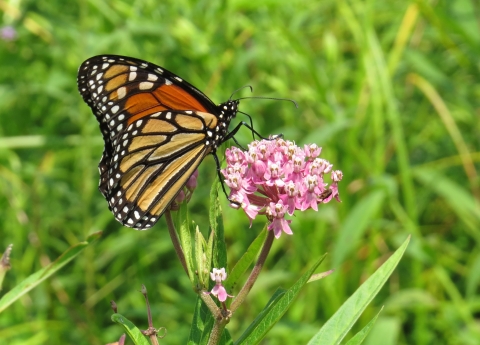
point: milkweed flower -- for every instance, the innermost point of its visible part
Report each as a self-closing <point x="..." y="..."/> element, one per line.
<point x="219" y="275"/>
<point x="276" y="177"/>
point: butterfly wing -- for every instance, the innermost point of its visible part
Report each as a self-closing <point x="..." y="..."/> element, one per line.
<point x="156" y="128"/>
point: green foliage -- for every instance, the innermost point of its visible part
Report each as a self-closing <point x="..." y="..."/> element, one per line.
<point x="277" y="306"/>
<point x="38" y="277"/>
<point x="388" y="88"/>
<point x="339" y="324"/>
<point x="133" y="332"/>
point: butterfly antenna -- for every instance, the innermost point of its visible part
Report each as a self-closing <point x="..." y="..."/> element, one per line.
<point x="275" y="99"/>
<point x="243" y="87"/>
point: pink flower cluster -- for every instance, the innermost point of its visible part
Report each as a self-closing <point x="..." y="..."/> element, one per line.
<point x="276" y="177"/>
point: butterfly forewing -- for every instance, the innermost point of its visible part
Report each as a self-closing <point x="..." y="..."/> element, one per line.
<point x="157" y="129"/>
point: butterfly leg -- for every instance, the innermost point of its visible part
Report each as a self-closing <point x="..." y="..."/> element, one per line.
<point x="220" y="177"/>
<point x="235" y="130"/>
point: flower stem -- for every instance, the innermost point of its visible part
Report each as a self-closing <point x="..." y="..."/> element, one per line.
<point x="254" y="274"/>
<point x="217" y="331"/>
<point x="216" y="312"/>
<point x="175" y="240"/>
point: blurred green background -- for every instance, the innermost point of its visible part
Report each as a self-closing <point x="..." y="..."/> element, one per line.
<point x="391" y="91"/>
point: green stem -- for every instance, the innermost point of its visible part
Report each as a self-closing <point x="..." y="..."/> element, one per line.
<point x="217" y="331"/>
<point x="254" y="274"/>
<point x="175" y="240"/>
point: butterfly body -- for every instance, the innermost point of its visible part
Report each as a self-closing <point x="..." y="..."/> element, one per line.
<point x="157" y="129"/>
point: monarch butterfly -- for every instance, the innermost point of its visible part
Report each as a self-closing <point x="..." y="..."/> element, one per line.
<point x="157" y="129"/>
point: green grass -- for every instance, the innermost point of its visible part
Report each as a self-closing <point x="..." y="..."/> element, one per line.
<point x="390" y="89"/>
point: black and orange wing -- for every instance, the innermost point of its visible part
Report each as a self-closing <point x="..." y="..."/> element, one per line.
<point x="157" y="129"/>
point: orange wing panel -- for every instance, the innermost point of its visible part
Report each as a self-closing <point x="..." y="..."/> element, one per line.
<point x="175" y="98"/>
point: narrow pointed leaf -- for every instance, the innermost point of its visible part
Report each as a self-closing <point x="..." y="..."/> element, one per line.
<point x="36" y="278"/>
<point x="342" y="321"/>
<point x="281" y="305"/>
<point x="360" y="336"/>
<point x="185" y="237"/>
<point x="279" y="293"/>
<point x="209" y="252"/>
<point x="200" y="256"/>
<point x="198" y="323"/>
<point x="132" y="331"/>
<point x="216" y="223"/>
<point x="246" y="260"/>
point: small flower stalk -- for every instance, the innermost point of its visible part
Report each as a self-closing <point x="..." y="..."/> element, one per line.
<point x="275" y="178"/>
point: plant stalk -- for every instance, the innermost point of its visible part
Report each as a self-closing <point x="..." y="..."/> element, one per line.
<point x="254" y="274"/>
<point x="175" y="240"/>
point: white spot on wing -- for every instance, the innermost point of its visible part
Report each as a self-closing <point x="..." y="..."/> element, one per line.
<point x="145" y="85"/>
<point x="121" y="92"/>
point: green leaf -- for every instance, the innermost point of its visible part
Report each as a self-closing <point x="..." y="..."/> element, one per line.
<point x="198" y="322"/>
<point x="277" y="306"/>
<point x="319" y="276"/>
<point x="36" y="278"/>
<point x="460" y="199"/>
<point x="388" y="331"/>
<point x="186" y="239"/>
<point x="132" y="331"/>
<point x="279" y="293"/>
<point x="360" y="336"/>
<point x="340" y="323"/>
<point x="226" y="338"/>
<point x="216" y="223"/>
<point x="200" y="257"/>
<point x="356" y="224"/>
<point x="209" y="252"/>
<point x="246" y="260"/>
<point x="209" y="321"/>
